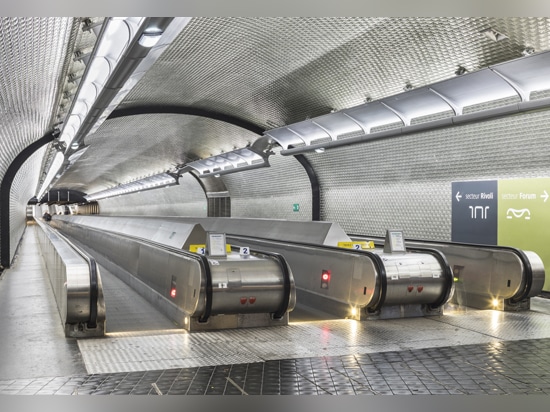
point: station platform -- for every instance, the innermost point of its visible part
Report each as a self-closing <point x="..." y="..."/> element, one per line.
<point x="462" y="352"/>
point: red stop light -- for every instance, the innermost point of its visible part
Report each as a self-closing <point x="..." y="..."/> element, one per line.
<point x="325" y="279"/>
<point x="173" y="291"/>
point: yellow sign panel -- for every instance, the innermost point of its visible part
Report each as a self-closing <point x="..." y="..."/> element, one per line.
<point x="357" y="245"/>
<point x="197" y="248"/>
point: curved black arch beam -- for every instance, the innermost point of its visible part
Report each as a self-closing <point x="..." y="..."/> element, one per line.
<point x="172" y="109"/>
<point x="315" y="188"/>
<point x="5" y="189"/>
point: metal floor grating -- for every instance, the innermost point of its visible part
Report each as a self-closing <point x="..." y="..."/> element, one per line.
<point x="128" y="351"/>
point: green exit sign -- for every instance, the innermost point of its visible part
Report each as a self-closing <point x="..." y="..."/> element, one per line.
<point x="296" y="207"/>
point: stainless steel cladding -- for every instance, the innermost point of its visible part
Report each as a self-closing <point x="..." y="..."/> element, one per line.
<point x="156" y="229"/>
<point x="489" y="277"/>
<point x="533" y="287"/>
<point x="486" y="272"/>
<point x="494" y="277"/>
<point x="238" y="286"/>
<point x="359" y="283"/>
<point x="354" y="276"/>
<point x="365" y="284"/>
<point x="362" y="283"/>
<point x="413" y="278"/>
<point x="76" y="284"/>
<point x="189" y="288"/>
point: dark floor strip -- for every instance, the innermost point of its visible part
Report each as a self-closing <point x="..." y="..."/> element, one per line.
<point x="504" y="368"/>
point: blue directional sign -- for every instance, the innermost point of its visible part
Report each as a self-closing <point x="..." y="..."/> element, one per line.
<point x="474" y="215"/>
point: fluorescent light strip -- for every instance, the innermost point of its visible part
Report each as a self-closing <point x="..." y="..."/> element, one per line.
<point x="515" y="79"/>
<point x="148" y="183"/>
<point x="115" y="40"/>
<point x="161" y="42"/>
<point x="54" y="168"/>
<point x="229" y="162"/>
<point x="114" y="43"/>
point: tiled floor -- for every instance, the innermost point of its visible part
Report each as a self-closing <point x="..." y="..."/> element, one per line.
<point x="32" y="339"/>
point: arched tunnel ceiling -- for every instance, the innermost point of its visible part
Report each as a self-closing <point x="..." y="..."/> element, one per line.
<point x="271" y="72"/>
<point x="129" y="148"/>
<point x="276" y="71"/>
<point x="29" y="93"/>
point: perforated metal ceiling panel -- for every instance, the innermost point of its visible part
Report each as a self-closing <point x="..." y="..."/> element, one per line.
<point x="268" y="72"/>
<point x="274" y="71"/>
<point x="185" y="199"/>
<point x="130" y="148"/>
<point x="282" y="191"/>
<point x="33" y="55"/>
<point x="271" y="72"/>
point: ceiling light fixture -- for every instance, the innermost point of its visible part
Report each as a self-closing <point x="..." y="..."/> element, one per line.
<point x="229" y="162"/>
<point x="114" y="39"/>
<point x="116" y="64"/>
<point x="444" y="102"/>
<point x="150" y="37"/>
<point x="152" y="182"/>
<point x="115" y="59"/>
<point x="251" y="157"/>
<point x="493" y="34"/>
<point x="54" y="168"/>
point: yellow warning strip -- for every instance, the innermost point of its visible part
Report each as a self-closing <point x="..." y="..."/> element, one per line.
<point x="195" y="248"/>
<point x="362" y="244"/>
